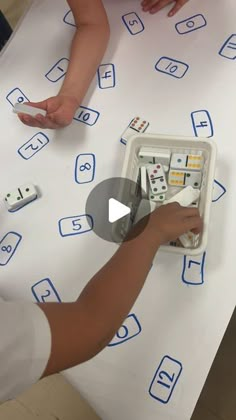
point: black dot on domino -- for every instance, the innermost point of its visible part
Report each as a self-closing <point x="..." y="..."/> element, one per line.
<point x="27" y="190"/>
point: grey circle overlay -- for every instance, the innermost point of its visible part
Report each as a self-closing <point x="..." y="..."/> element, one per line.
<point x="126" y="192"/>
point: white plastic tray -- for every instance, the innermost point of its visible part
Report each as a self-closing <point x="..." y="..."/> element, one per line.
<point x="178" y="144"/>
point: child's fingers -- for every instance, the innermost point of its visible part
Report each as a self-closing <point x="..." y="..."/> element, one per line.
<point x="195" y="224"/>
<point x="160" y="5"/>
<point x="148" y="4"/>
<point x="42" y="104"/>
<point x="27" y="120"/>
<point x="177" y="7"/>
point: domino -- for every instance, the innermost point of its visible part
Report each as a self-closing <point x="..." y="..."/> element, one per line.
<point x="137" y="125"/>
<point x="27" y="109"/>
<point x="160" y="198"/>
<point x="20" y="197"/>
<point x="144" y="185"/>
<point x="155" y="155"/>
<point x="188" y="239"/>
<point x="145" y="207"/>
<point x="184" y="178"/>
<point x="157" y="179"/>
<point x="185" y="161"/>
<point x="185" y="197"/>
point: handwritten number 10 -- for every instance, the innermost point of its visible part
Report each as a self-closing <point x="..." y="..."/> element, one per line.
<point x="173" y="68"/>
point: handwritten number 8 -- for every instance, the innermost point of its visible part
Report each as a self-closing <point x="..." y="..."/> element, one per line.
<point x="85" y="167"/>
<point x="7" y="249"/>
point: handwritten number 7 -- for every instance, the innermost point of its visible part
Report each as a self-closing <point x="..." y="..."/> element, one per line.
<point x="193" y="262"/>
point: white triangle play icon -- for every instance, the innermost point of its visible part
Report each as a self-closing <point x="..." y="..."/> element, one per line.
<point x="116" y="210"/>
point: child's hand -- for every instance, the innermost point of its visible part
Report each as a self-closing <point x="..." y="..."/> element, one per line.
<point x="60" y="112"/>
<point x="169" y="222"/>
<point x="154" y="6"/>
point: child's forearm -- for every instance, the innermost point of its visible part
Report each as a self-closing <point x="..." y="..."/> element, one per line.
<point x="111" y="293"/>
<point x="89" y="324"/>
<point x="87" y="50"/>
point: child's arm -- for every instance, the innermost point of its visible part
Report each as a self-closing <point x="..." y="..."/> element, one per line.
<point x="153" y="6"/>
<point x="87" y="49"/>
<point x="83" y="328"/>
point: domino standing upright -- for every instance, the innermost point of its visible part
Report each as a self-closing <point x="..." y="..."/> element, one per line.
<point x="157" y="179"/>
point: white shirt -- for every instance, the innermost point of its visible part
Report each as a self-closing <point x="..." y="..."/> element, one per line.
<point x="25" y="345"/>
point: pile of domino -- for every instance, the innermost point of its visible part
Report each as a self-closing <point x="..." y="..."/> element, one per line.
<point x="167" y="177"/>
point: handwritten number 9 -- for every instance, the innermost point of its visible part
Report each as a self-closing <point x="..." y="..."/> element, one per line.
<point x="76" y="225"/>
<point x="7" y="249"/>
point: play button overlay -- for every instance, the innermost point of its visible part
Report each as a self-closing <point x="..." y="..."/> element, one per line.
<point x="117" y="210"/>
<point x="112" y="206"/>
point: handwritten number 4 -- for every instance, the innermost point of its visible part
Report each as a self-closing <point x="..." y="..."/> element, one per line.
<point x="163" y="375"/>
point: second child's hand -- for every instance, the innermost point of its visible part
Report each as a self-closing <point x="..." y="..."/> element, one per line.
<point x="154" y="6"/>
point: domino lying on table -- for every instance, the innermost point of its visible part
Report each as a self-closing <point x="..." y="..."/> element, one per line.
<point x="163" y="172"/>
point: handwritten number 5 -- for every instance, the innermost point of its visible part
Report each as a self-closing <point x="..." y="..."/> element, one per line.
<point x="76" y="225"/>
<point x="133" y="22"/>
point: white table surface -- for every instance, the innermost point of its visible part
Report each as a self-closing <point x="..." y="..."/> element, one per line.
<point x="184" y="308"/>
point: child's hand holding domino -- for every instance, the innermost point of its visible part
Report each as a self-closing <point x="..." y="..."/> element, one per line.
<point x="168" y="223"/>
<point x="93" y="30"/>
<point x="60" y="111"/>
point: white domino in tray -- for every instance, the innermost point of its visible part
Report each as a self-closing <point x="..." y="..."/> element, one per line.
<point x="157" y="179"/>
<point x="185" y="197"/>
<point x="27" y="109"/>
<point x="187" y="161"/>
<point x="180" y="178"/>
<point x="154" y="155"/>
